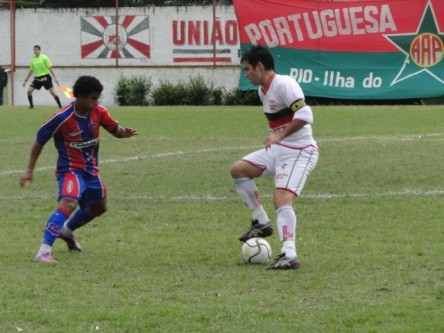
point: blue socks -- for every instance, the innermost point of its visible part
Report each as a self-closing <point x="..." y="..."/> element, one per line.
<point x="54" y="226"/>
<point x="80" y="218"/>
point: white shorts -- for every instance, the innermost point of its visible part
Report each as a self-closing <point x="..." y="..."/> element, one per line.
<point x="290" y="166"/>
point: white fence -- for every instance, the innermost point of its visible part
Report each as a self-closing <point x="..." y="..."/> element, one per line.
<point x="163" y="43"/>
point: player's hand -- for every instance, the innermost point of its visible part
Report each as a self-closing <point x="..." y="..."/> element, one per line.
<point x="271" y="139"/>
<point x="27" y="177"/>
<point x="128" y="132"/>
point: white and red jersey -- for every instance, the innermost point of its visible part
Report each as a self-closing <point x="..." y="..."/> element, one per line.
<point x="277" y="96"/>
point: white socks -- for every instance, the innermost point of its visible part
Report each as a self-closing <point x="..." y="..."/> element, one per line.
<point x="259" y="214"/>
<point x="289" y="248"/>
<point x="247" y="190"/>
<point x="44" y="248"/>
<point x="286" y="217"/>
<point x="286" y="223"/>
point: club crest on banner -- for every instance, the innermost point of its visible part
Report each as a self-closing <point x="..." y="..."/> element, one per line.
<point x="104" y="38"/>
<point x="424" y="49"/>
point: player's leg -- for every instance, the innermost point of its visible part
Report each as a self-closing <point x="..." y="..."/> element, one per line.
<point x="71" y="187"/>
<point x="286" y="225"/>
<point x="53" y="228"/>
<point x="85" y="215"/>
<point x="295" y="165"/>
<point x="92" y="204"/>
<point x="243" y="173"/>
<point x="29" y="93"/>
<point x="56" y="97"/>
<point x="50" y="87"/>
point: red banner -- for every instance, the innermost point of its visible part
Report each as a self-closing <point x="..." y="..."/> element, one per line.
<point x="346" y="26"/>
<point x="376" y="49"/>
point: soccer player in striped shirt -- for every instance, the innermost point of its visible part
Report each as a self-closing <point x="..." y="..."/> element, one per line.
<point x="75" y="130"/>
<point x="290" y="153"/>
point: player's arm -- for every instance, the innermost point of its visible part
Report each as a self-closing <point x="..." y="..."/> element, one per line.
<point x="44" y="134"/>
<point x="113" y="127"/>
<point x="27" y="176"/>
<point x="302" y="116"/>
<point x="54" y="76"/>
<point x="292" y="127"/>
<point x="27" y="77"/>
<point x="124" y="132"/>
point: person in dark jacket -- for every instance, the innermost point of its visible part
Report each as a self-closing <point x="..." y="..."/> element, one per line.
<point x="3" y="82"/>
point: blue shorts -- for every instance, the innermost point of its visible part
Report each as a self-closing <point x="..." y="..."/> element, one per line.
<point x="83" y="187"/>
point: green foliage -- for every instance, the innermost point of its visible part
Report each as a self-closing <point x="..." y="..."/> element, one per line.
<point x="239" y="97"/>
<point x="132" y="91"/>
<point x="111" y="3"/>
<point x="198" y="93"/>
<point x="78" y="3"/>
<point x="25" y="4"/>
<point x="195" y="92"/>
<point x="167" y="93"/>
<point x="218" y="95"/>
<point x="165" y="257"/>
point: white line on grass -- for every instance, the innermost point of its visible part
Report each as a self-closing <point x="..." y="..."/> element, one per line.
<point x="210" y="197"/>
<point x="409" y="137"/>
<point x="308" y="196"/>
<point x="212" y="150"/>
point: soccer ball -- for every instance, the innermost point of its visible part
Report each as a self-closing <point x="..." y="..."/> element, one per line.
<point x="256" y="251"/>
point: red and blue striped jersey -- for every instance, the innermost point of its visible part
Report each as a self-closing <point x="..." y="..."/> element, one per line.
<point x="76" y="138"/>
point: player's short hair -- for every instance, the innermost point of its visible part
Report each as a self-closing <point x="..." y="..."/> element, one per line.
<point x="86" y="85"/>
<point x="37" y="47"/>
<point x="259" y="53"/>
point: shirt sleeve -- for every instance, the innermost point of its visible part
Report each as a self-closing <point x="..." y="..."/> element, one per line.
<point x="107" y="122"/>
<point x="290" y="91"/>
<point x="293" y="92"/>
<point x="304" y="114"/>
<point x="46" y="132"/>
<point x="48" y="63"/>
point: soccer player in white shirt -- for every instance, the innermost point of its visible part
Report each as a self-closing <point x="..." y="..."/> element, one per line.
<point x="290" y="153"/>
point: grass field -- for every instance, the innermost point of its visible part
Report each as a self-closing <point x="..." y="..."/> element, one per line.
<point x="165" y="257"/>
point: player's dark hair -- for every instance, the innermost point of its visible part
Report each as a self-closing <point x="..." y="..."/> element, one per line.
<point x="86" y="85"/>
<point x="260" y="54"/>
<point x="37" y="47"/>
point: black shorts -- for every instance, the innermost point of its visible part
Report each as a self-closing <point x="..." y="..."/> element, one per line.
<point x="45" y="81"/>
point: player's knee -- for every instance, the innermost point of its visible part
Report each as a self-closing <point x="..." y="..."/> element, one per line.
<point x="101" y="210"/>
<point x="235" y="170"/>
<point x="98" y="209"/>
<point x="242" y="168"/>
<point x="68" y="204"/>
<point x="283" y="197"/>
